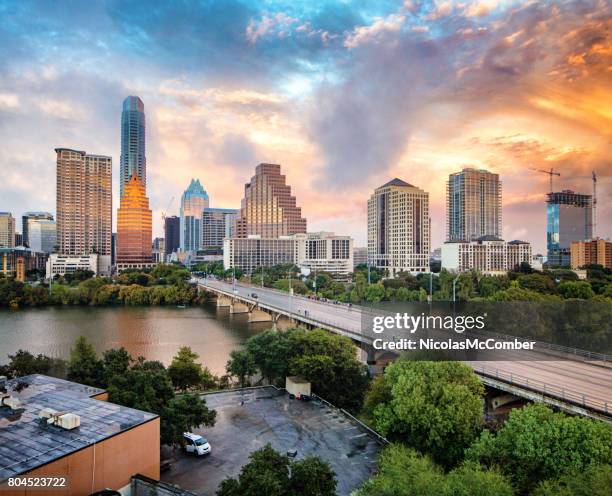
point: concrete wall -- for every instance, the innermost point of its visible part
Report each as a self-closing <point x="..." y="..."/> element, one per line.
<point x="108" y="464"/>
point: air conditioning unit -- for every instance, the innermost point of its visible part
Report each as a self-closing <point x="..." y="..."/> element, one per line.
<point x="11" y="401"/>
<point x="64" y="420"/>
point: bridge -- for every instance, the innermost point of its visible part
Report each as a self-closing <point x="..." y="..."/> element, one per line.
<point x="581" y="383"/>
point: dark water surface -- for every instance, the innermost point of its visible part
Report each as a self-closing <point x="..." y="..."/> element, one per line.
<point x="154" y="332"/>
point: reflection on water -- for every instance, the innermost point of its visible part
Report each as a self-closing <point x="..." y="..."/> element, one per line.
<point x="154" y="332"/>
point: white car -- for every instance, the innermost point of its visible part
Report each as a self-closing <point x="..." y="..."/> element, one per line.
<point x="194" y="443"/>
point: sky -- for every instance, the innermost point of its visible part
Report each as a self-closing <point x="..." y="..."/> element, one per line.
<point x="344" y="95"/>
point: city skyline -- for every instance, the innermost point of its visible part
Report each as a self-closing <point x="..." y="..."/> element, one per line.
<point x="306" y="101"/>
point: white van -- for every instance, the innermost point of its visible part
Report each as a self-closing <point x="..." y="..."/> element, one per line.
<point x="194" y="443"/>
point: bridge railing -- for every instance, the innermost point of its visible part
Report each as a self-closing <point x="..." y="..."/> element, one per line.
<point x="547" y="390"/>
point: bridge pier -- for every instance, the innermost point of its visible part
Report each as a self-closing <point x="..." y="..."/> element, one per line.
<point x="223" y="301"/>
<point x="237" y="307"/>
<point x="502" y="400"/>
<point x="258" y="315"/>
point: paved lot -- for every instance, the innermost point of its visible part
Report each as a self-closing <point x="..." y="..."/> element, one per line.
<point x="268" y="416"/>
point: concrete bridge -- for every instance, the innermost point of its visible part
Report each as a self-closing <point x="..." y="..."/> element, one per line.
<point x="577" y="384"/>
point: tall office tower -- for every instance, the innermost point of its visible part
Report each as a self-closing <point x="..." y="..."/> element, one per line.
<point x="133" y="159"/>
<point x="399" y="228"/>
<point x="42" y="234"/>
<point x="473" y="205"/>
<point x="217" y="223"/>
<point x="134" y="227"/>
<point x="83" y="203"/>
<point x="29" y="217"/>
<point x="193" y="203"/>
<point x="569" y="218"/>
<point x="172" y="234"/>
<point x="18" y="239"/>
<point x="268" y="209"/>
<point x="7" y="230"/>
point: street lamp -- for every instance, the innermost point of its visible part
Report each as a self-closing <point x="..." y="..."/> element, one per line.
<point x="454" y="284"/>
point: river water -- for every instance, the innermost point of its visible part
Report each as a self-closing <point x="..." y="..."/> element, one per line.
<point x="153" y="332"/>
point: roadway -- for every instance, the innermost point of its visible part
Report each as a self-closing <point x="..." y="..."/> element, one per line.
<point x="577" y="381"/>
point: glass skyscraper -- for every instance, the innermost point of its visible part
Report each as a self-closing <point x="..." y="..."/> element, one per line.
<point x="133" y="159"/>
<point x="569" y="217"/>
<point x="193" y="203"/>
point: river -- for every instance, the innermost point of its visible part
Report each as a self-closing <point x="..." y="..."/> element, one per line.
<point x="153" y="332"/>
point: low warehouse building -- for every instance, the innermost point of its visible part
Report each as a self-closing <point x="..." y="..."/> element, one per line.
<point x="50" y="427"/>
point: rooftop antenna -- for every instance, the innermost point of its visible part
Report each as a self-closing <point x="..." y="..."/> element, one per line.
<point x="550" y="173"/>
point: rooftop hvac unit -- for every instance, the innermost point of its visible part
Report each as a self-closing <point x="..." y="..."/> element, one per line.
<point x="11" y="401"/>
<point x="64" y="420"/>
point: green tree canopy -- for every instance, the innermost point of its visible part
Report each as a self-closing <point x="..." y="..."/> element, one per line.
<point x="241" y="365"/>
<point x="536" y="444"/>
<point x="185" y="372"/>
<point x="435" y="407"/>
<point x="84" y="365"/>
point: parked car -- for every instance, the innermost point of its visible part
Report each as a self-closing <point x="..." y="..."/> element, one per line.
<point x="254" y="295"/>
<point x="194" y="443"/>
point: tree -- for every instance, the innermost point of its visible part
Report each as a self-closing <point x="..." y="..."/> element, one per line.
<point x="270" y="351"/>
<point x="595" y="480"/>
<point x="273" y="474"/>
<point x="536" y="444"/>
<point x="84" y="366"/>
<point x="436" y="407"/>
<point x="403" y="472"/>
<point x="241" y="365"/>
<point x="312" y="477"/>
<point x="576" y="289"/>
<point x="183" y="414"/>
<point x="184" y="371"/>
<point x="24" y="363"/>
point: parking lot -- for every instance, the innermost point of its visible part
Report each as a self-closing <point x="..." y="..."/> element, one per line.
<point x="248" y="420"/>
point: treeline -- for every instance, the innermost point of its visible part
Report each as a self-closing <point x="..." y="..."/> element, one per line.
<point x="163" y="285"/>
<point x="133" y="382"/>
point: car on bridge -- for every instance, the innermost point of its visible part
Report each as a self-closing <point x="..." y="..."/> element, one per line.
<point x="254" y="295"/>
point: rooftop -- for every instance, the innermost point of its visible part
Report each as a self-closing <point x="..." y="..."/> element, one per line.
<point x="397" y="182"/>
<point x="266" y="415"/>
<point x="26" y="444"/>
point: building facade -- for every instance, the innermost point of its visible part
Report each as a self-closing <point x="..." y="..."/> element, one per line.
<point x="591" y="252"/>
<point x="7" y="230"/>
<point x="134" y="227"/>
<point x="569" y="217"/>
<point x="247" y="254"/>
<point x="29" y="217"/>
<point x="193" y="203"/>
<point x="17" y="261"/>
<point x="488" y="254"/>
<point x="399" y="228"/>
<point x="268" y="209"/>
<point x="133" y="158"/>
<point x="473" y="205"/>
<point x="217" y="224"/>
<point x="42" y="235"/>
<point x="325" y="252"/>
<point x="159" y="250"/>
<point x="172" y="234"/>
<point x="360" y="256"/>
<point x="60" y="265"/>
<point x="83" y="203"/>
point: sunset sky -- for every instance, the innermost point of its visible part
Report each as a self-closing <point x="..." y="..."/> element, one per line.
<point x="344" y="95"/>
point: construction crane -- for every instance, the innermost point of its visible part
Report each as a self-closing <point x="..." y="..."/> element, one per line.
<point x="550" y="173"/>
<point x="167" y="208"/>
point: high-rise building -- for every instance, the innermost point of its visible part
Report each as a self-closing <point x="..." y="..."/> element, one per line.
<point x="217" y="223"/>
<point x="591" y="252"/>
<point x="30" y="217"/>
<point x="360" y="256"/>
<point x="172" y="234"/>
<point x="325" y="252"/>
<point x="569" y="218"/>
<point x="268" y="209"/>
<point x="7" y="230"/>
<point x="134" y="227"/>
<point x="84" y="204"/>
<point x="159" y="250"/>
<point x="399" y="228"/>
<point x="133" y="158"/>
<point x="473" y="205"/>
<point x="18" y="239"/>
<point x="42" y="235"/>
<point x="193" y="203"/>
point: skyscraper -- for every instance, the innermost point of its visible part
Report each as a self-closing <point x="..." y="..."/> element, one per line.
<point x="569" y="217"/>
<point x="268" y="209"/>
<point x="7" y="230"/>
<point x="29" y="217"/>
<point x="473" y="205"/>
<point x="133" y="159"/>
<point x="193" y="203"/>
<point x="217" y="223"/>
<point x="399" y="228"/>
<point x="172" y="234"/>
<point x="134" y="227"/>
<point x="83" y="203"/>
<point x="42" y="235"/>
